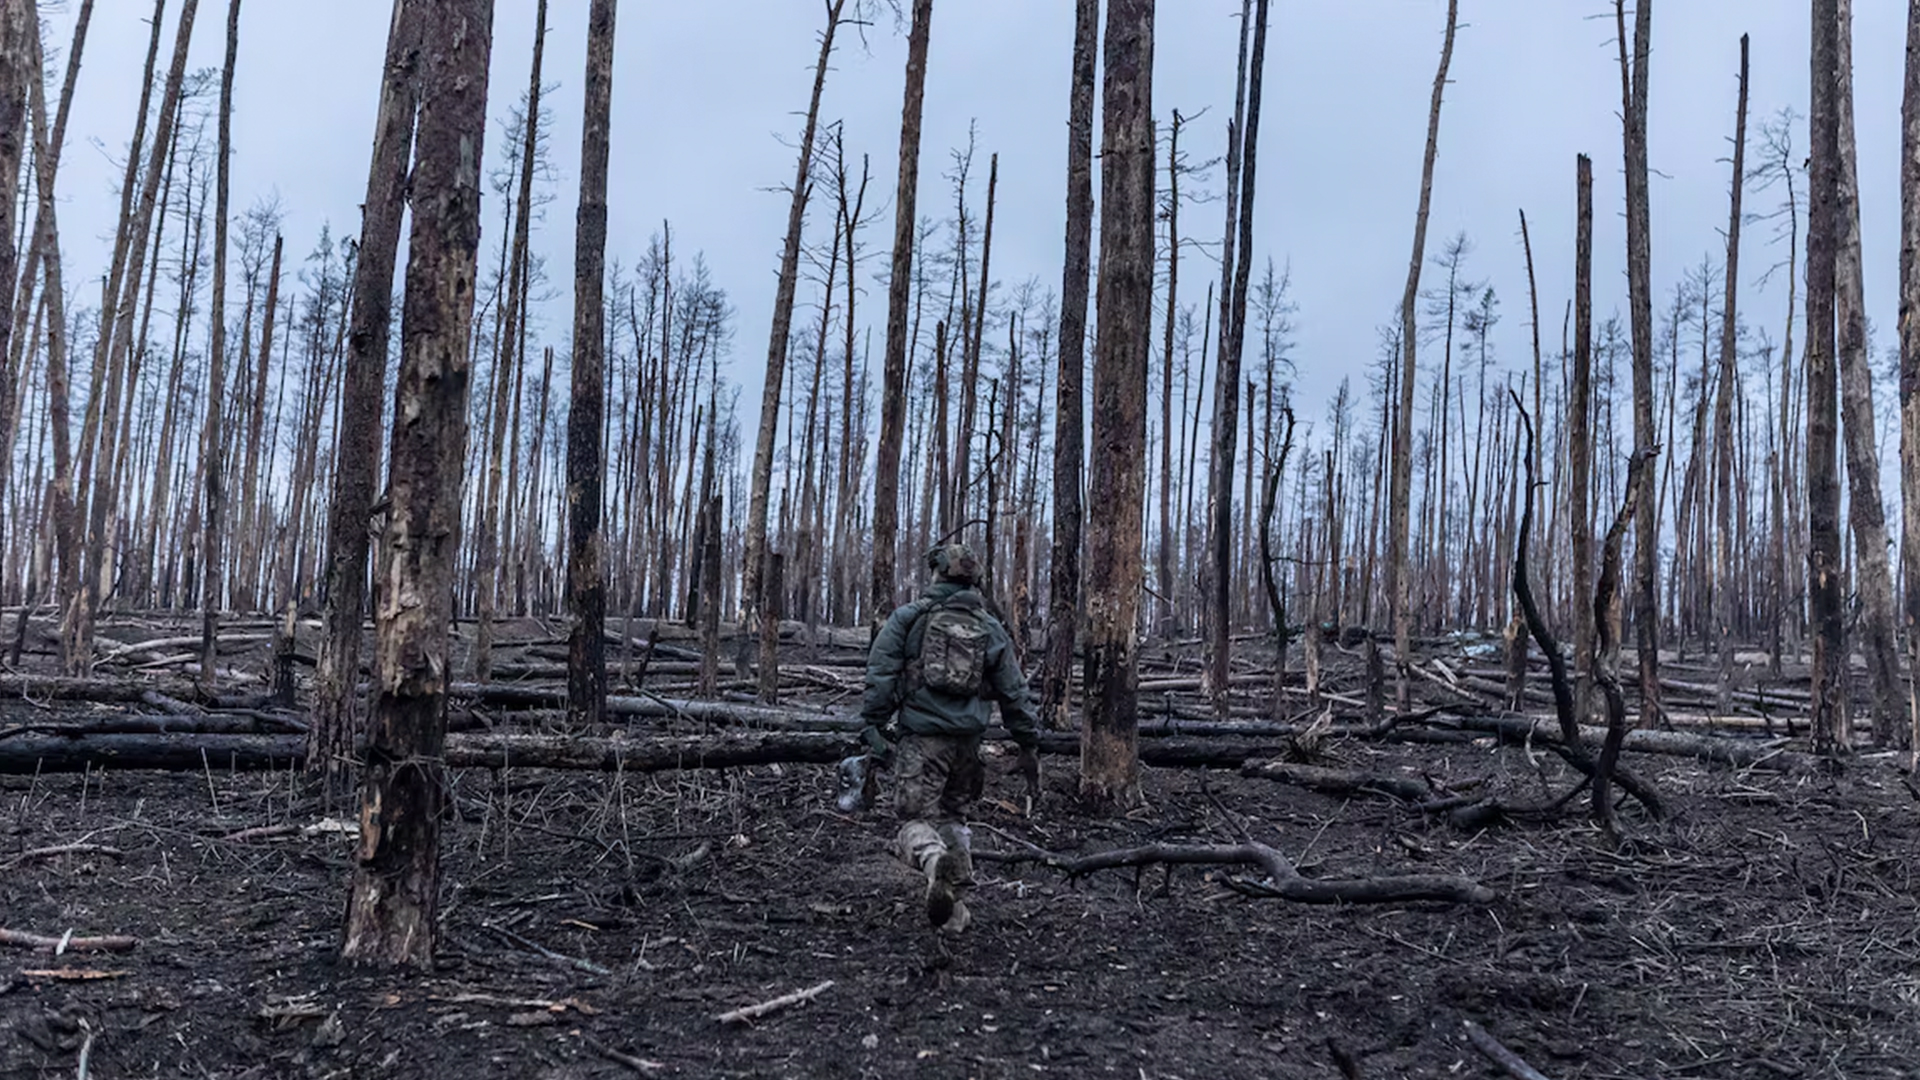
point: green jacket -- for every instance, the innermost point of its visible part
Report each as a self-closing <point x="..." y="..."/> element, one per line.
<point x="930" y="712"/>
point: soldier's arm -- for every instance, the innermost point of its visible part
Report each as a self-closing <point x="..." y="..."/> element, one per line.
<point x="1010" y="687"/>
<point x="886" y="661"/>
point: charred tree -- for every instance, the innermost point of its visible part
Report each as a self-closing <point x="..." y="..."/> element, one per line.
<point x="1063" y="590"/>
<point x="1723" y="405"/>
<point x="1109" y="764"/>
<point x="1217" y="569"/>
<point x="893" y="393"/>
<point x="1824" y="570"/>
<point x="1646" y="586"/>
<point x="393" y="900"/>
<point x="1399" y="575"/>
<point x="1910" y="357"/>
<point x="1867" y="514"/>
<point x="357" y="453"/>
<point x="506" y="364"/>
<point x="761" y="479"/>
<point x="586" y="419"/>
<point x="1580" y="443"/>
<point x="213" y="442"/>
<point x="18" y="26"/>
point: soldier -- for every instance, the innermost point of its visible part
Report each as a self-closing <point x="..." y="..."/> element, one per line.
<point x="938" y="662"/>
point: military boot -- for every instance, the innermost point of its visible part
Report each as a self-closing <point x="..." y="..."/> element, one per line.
<point x="959" y="841"/>
<point x="928" y="852"/>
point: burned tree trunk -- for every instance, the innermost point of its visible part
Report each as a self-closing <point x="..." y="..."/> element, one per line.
<point x="1910" y="357"/>
<point x="111" y="352"/>
<point x="1109" y="766"/>
<point x="213" y="443"/>
<point x="60" y="496"/>
<point x="1217" y="569"/>
<point x="893" y="394"/>
<point x="1063" y="590"/>
<point x="18" y="25"/>
<point x="761" y="480"/>
<point x="1824" y="600"/>
<point x="507" y="355"/>
<point x="13" y="360"/>
<point x="1633" y="89"/>
<point x="1866" y="513"/>
<point x="1723" y="408"/>
<point x="1580" y="443"/>
<point x="393" y="899"/>
<point x="357" y="454"/>
<point x="586" y="580"/>
<point x="1399" y="578"/>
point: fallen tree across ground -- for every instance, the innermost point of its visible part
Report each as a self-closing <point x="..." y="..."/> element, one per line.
<point x="35" y="752"/>
<point x="1283" y="880"/>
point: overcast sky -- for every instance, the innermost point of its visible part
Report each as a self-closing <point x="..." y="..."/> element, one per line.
<point x="707" y="96"/>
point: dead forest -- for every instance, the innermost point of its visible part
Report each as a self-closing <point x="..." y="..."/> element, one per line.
<point x="413" y="660"/>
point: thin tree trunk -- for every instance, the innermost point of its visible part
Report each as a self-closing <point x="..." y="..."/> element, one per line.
<point x="1063" y="590"/>
<point x="1109" y="765"/>
<point x="1633" y="89"/>
<point x="1163" y="555"/>
<point x="1910" y="363"/>
<point x="893" y="393"/>
<point x="970" y="367"/>
<point x="66" y="523"/>
<point x="1217" y="570"/>
<point x="586" y="579"/>
<point x="1867" y="514"/>
<point x="1399" y="575"/>
<point x="487" y="543"/>
<point x="19" y="25"/>
<point x="1824" y="572"/>
<point x="1580" y="447"/>
<point x="393" y="901"/>
<point x="357" y="454"/>
<point x="102" y="517"/>
<point x="1723" y="405"/>
<point x="14" y="362"/>
<point x="212" y="537"/>
<point x="762" y="477"/>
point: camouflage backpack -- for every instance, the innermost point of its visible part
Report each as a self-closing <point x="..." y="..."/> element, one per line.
<point x="953" y="649"/>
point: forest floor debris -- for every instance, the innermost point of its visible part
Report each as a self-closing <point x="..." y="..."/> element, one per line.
<point x="1769" y="925"/>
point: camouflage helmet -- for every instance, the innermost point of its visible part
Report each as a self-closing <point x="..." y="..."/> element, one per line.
<point x="955" y="563"/>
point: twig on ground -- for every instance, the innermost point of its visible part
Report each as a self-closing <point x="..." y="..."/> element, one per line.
<point x="62" y="849"/>
<point x="262" y="832"/>
<point x="68" y="943"/>
<point x="754" y="1012"/>
<point x="575" y="962"/>
<point x="86" y="1054"/>
<point x="637" y="1064"/>
<point x="1510" y="1063"/>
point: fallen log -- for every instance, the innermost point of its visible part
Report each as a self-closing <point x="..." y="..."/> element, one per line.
<point x="171" y="752"/>
<point x="32" y="753"/>
<point x="1739" y="753"/>
<point x="1285" y="882"/>
<point x="1338" y="781"/>
<point x="248" y="723"/>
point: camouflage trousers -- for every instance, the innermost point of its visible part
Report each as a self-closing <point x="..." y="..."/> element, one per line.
<point x="936" y="777"/>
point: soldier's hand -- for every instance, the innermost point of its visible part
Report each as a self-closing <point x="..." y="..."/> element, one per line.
<point x="879" y="749"/>
<point x="1027" y="764"/>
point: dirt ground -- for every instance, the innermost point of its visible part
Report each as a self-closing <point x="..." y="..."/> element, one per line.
<point x="1768" y="930"/>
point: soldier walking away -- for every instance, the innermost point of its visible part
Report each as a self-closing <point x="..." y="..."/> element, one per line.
<point x="937" y="664"/>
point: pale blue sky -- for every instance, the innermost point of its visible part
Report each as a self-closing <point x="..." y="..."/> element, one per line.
<point x="706" y="95"/>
